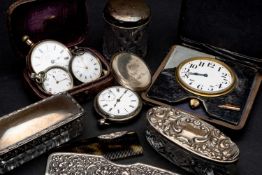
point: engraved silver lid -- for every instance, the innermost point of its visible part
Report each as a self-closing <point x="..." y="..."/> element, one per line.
<point x="193" y="134"/>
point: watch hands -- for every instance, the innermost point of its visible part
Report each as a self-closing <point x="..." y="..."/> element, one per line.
<point x="84" y="63"/>
<point x="54" y="78"/>
<point x="57" y="82"/>
<point x="62" y="80"/>
<point x="109" y="96"/>
<point x="82" y="67"/>
<point x="118" y="100"/>
<point x="199" y="74"/>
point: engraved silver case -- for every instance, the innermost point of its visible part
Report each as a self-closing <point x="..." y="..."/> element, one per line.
<point x="37" y="128"/>
<point x="190" y="143"/>
<point x="85" y="164"/>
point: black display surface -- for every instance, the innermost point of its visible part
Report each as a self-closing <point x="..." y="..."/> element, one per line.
<point x="162" y="35"/>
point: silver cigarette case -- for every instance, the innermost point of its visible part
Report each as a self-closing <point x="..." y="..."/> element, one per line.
<point x="37" y="128"/>
<point x="190" y="143"/>
<point x="86" y="164"/>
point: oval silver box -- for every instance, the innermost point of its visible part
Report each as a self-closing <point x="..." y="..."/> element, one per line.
<point x="190" y="143"/>
<point x="125" y="29"/>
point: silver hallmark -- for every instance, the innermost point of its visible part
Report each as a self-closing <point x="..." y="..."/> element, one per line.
<point x="85" y="164"/>
<point x="190" y="142"/>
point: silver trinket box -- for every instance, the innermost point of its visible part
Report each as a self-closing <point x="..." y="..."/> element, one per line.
<point x="126" y="27"/>
<point x="85" y="164"/>
<point x="37" y="128"/>
<point x="190" y="143"/>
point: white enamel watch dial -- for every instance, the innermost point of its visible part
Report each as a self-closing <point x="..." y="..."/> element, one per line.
<point x="57" y="80"/>
<point x="49" y="53"/>
<point x="118" y="103"/>
<point x="206" y="76"/>
<point x="86" y="67"/>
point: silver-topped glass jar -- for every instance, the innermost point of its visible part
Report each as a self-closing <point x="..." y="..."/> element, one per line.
<point x="126" y="23"/>
<point x="190" y="143"/>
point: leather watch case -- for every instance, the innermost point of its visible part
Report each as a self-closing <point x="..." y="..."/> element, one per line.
<point x="229" y="31"/>
<point x="60" y="20"/>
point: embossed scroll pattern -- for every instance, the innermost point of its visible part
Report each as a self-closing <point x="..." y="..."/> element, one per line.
<point x="84" y="164"/>
<point x="193" y="134"/>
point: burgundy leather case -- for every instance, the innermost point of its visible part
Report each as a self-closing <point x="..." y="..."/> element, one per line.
<point x="63" y="20"/>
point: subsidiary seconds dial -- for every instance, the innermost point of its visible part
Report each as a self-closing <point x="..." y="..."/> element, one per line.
<point x="206" y="76"/>
<point x="118" y="103"/>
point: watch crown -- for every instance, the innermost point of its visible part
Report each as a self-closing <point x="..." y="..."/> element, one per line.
<point x="27" y="40"/>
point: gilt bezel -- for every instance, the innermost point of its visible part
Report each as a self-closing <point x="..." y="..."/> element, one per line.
<point x="199" y="92"/>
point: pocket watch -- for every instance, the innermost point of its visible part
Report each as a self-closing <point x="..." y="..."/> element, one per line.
<point x="85" y="66"/>
<point x="206" y="77"/>
<point x="47" y="53"/>
<point x="122" y="103"/>
<point x="118" y="104"/>
<point x="54" y="80"/>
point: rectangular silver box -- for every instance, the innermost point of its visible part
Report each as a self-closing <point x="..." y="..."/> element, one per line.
<point x="37" y="128"/>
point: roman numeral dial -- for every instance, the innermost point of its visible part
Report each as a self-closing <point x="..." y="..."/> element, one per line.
<point x="206" y="76"/>
<point x="49" y="53"/>
<point x="86" y="67"/>
<point x="118" y="103"/>
<point x="57" y="80"/>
